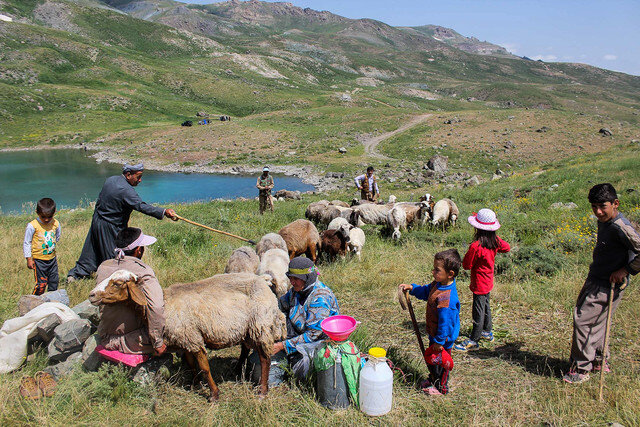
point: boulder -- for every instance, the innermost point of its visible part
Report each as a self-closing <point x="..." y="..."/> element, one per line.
<point x="565" y="206"/>
<point x="88" y="311"/>
<point x="26" y="303"/>
<point x="57" y="296"/>
<point x="452" y="121"/>
<point x="345" y="97"/>
<point x="605" y="132"/>
<point x="474" y="180"/>
<point x="56" y="355"/>
<point x="90" y="359"/>
<point x="65" y="368"/>
<point x="71" y="334"/>
<point x="46" y="326"/>
<point x="438" y="163"/>
<point x="509" y="144"/>
<point x="342" y="150"/>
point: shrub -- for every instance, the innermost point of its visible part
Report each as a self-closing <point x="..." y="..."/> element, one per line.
<point x="530" y="260"/>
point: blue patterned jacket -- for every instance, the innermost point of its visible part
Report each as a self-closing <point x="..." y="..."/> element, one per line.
<point x="304" y="317"/>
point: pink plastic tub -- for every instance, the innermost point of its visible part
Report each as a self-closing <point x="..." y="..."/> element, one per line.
<point x="338" y="328"/>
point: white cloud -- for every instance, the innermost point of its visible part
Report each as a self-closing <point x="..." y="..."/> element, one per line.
<point x="545" y="57"/>
<point x="609" y="57"/>
<point x="511" y="47"/>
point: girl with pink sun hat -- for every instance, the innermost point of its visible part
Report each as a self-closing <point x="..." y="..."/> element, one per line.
<point x="480" y="259"/>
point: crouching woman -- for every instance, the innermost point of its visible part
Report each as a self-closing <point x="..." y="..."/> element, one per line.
<point x="306" y="305"/>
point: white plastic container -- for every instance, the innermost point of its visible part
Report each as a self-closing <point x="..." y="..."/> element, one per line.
<point x="376" y="384"/>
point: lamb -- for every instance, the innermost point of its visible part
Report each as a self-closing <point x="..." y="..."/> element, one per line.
<point x="244" y="259"/>
<point x="337" y="223"/>
<point x="334" y="242"/>
<point x="217" y="312"/>
<point x="275" y="264"/>
<point x="270" y="241"/>
<point x="445" y="212"/>
<point x="301" y="237"/>
<point x="356" y="241"/>
<point x="404" y="215"/>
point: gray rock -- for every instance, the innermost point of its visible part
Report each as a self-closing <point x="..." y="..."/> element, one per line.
<point x="542" y="129"/>
<point x="26" y="303"/>
<point x="202" y="114"/>
<point x="88" y="311"/>
<point x="57" y="296"/>
<point x="154" y="370"/>
<point x="605" y="132"/>
<point x="452" y="121"/>
<point x="90" y="359"/>
<point x="342" y="150"/>
<point x="46" y="326"/>
<point x="509" y="144"/>
<point x="56" y="355"/>
<point x="71" y="334"/>
<point x="438" y="163"/>
<point x="553" y="187"/>
<point x="65" y="368"/>
<point x="345" y="97"/>
<point x="474" y="180"/>
<point x="634" y="142"/>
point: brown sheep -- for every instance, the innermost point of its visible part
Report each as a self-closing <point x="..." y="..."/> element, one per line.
<point x="217" y="312"/>
<point x="242" y="260"/>
<point x="301" y="237"/>
<point x="335" y="242"/>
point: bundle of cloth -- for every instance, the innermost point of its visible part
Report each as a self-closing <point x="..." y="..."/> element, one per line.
<point x="16" y="332"/>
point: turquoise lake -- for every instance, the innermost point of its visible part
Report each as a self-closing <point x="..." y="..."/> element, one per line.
<point x="71" y="178"/>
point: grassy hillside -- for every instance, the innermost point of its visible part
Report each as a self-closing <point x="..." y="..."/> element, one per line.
<point x="513" y="381"/>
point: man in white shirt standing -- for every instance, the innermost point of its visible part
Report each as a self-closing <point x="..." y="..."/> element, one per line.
<point x="368" y="185"/>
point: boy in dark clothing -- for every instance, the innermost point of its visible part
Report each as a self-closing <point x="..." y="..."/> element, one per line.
<point x="616" y="255"/>
<point x="442" y="315"/>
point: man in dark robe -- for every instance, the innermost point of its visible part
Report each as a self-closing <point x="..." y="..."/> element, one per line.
<point x="113" y="209"/>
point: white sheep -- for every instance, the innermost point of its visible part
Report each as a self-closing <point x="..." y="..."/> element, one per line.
<point x="356" y="241"/>
<point x="217" y="312"/>
<point x="445" y="212"/>
<point x="404" y="215"/>
<point x="315" y="209"/>
<point x="275" y="264"/>
<point x="337" y="223"/>
<point x="371" y="213"/>
<point x="270" y="241"/>
<point x="392" y="199"/>
<point x="242" y="260"/>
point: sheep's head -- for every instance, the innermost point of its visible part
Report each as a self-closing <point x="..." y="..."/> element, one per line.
<point x="424" y="214"/>
<point x="120" y="286"/>
<point x="392" y="199"/>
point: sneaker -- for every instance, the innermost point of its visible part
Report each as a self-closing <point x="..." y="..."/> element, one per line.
<point x="576" y="376"/>
<point x="598" y="365"/>
<point x="466" y="345"/>
<point x="488" y="336"/>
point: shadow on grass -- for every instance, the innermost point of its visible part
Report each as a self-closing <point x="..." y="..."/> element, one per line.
<point x="531" y="362"/>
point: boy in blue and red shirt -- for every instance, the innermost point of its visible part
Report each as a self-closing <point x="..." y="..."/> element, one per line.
<point x="442" y="316"/>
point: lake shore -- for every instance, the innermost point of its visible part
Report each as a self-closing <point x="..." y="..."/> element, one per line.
<point x="307" y="174"/>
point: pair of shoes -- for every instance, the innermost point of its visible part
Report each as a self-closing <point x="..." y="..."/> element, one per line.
<point x="576" y="376"/>
<point x="40" y="385"/>
<point x="598" y="365"/>
<point x="466" y="345"/>
<point x="488" y="336"/>
<point x="432" y="391"/>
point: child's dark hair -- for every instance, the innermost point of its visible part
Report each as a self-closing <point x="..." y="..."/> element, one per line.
<point x="602" y="193"/>
<point x="487" y="238"/>
<point x="46" y="207"/>
<point x="126" y="236"/>
<point x="451" y="260"/>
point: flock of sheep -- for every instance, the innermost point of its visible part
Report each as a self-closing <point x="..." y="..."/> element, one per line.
<point x="240" y="307"/>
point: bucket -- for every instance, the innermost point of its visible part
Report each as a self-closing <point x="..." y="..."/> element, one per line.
<point x="338" y="328"/>
<point x="276" y="371"/>
<point x="376" y="384"/>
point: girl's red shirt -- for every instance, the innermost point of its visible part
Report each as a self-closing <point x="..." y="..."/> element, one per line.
<point x="480" y="261"/>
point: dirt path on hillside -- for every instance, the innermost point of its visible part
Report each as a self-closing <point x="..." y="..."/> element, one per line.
<point x="371" y="144"/>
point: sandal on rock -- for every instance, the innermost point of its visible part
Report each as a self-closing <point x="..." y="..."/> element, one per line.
<point x="46" y="383"/>
<point x="29" y="388"/>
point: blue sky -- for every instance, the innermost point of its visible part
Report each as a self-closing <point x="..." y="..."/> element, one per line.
<point x="603" y="33"/>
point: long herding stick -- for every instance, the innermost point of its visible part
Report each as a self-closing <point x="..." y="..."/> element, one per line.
<point x="606" y="334"/>
<point x="408" y="305"/>
<point x="216" y="231"/>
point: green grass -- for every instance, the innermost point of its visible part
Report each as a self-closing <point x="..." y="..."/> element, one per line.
<point x="513" y="381"/>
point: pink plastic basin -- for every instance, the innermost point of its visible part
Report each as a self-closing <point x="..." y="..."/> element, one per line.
<point x="338" y="328"/>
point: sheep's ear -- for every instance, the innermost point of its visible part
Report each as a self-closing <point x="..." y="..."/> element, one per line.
<point x="135" y="291"/>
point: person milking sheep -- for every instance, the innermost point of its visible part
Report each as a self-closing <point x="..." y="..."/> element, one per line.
<point x="306" y="305"/>
<point x="115" y="203"/>
<point x="122" y="327"/>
